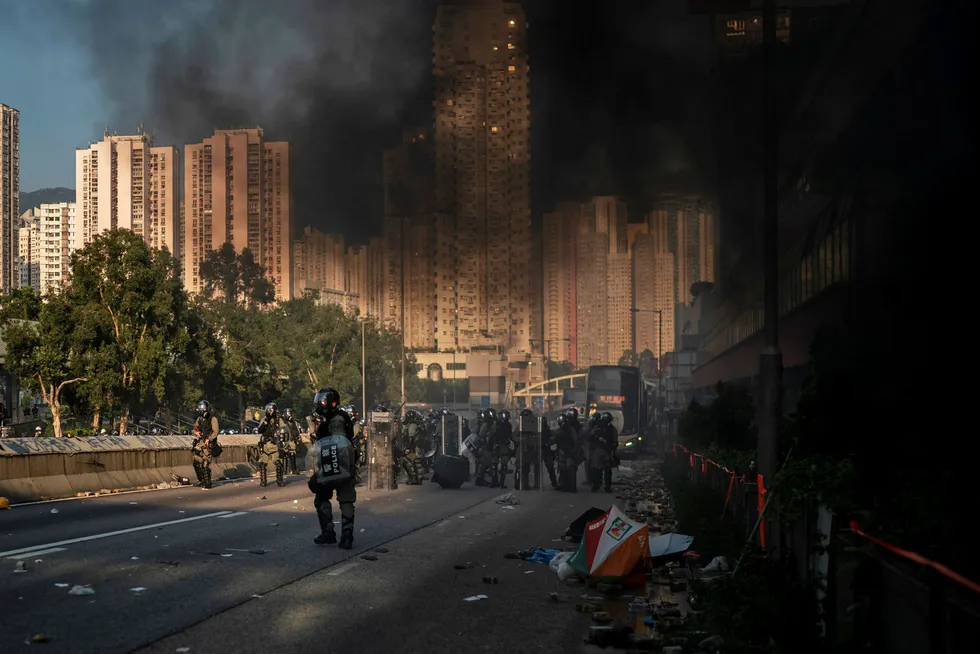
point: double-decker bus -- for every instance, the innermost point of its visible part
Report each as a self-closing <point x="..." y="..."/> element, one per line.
<point x="619" y="390"/>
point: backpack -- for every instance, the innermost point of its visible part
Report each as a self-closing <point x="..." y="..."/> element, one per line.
<point x="332" y="460"/>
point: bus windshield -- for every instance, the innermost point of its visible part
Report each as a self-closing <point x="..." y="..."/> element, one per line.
<point x="616" y="390"/>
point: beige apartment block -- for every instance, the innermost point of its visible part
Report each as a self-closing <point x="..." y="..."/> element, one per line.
<point x="236" y="190"/>
<point x="9" y="196"/>
<point x="126" y="182"/>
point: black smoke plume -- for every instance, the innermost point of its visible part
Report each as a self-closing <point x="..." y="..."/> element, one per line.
<point x="335" y="78"/>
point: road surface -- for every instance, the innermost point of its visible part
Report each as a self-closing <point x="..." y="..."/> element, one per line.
<point x="235" y="569"/>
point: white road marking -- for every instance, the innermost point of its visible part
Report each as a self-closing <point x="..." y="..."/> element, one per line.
<point x="342" y="569"/>
<point x="28" y="555"/>
<point x="233" y="515"/>
<point x="109" y="534"/>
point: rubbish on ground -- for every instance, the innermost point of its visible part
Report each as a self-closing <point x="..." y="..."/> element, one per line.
<point x="257" y="596"/>
<point x="81" y="590"/>
<point x="576" y="529"/>
<point x="475" y="598"/>
<point x="509" y="499"/>
<point x="668" y="545"/>
<point x="464" y="566"/>
<point x="62" y="585"/>
<point x="489" y="579"/>
<point x="54" y="510"/>
<point x="381" y="550"/>
<point x="295" y="501"/>
<point x="507" y="507"/>
<point x="362" y="530"/>
<point x="587" y="608"/>
<point x="537" y="555"/>
<point x="134" y="502"/>
<point x="601" y="617"/>
<point x="180" y="650"/>
<point x="227" y="554"/>
<point x="273" y="524"/>
<point x="40" y="638"/>
<point x="263" y="497"/>
<point x="529" y="572"/>
<point x="134" y="558"/>
<point x="369" y="557"/>
<point x="612" y="550"/>
<point x="138" y="589"/>
<point x="559" y="564"/>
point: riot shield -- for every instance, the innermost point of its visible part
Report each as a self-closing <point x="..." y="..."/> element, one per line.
<point x="530" y="457"/>
<point x="430" y="441"/>
<point x="380" y="430"/>
<point x="451" y="429"/>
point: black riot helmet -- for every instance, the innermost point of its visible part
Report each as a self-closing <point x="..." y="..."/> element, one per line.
<point x="204" y="408"/>
<point x="561" y="419"/>
<point x="445" y="411"/>
<point x="326" y="401"/>
<point x="350" y="411"/>
<point x="434" y="415"/>
<point x="504" y="415"/>
<point x="491" y="415"/>
<point x="271" y="409"/>
<point x="527" y="413"/>
<point x="571" y="415"/>
<point x="287" y="414"/>
<point x="381" y="408"/>
<point x="606" y="419"/>
<point x="481" y="416"/>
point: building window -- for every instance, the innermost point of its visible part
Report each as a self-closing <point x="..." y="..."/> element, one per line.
<point x="510" y="69"/>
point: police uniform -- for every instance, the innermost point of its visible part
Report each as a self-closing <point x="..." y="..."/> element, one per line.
<point x="203" y="447"/>
<point x="502" y="444"/>
<point x="292" y="445"/>
<point x="336" y="423"/>
<point x="405" y="455"/>
<point x="360" y="445"/>
<point x="569" y="453"/>
<point x="271" y="450"/>
<point x="484" y="458"/>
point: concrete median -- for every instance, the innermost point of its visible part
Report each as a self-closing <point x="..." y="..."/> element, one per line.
<point x="34" y="469"/>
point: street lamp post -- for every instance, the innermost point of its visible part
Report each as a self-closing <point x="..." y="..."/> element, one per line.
<point x="363" y="373"/>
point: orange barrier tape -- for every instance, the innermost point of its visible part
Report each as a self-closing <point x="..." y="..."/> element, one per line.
<point x="728" y="496"/>
<point x="918" y="558"/>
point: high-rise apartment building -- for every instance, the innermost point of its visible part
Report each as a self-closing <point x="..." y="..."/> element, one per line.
<point x="592" y="299"/>
<point x="126" y="182"/>
<point x="236" y="190"/>
<point x="46" y="241"/>
<point x="607" y="215"/>
<point x="653" y="295"/>
<point x="558" y="288"/>
<point x="9" y="195"/>
<point x="319" y="262"/>
<point x="376" y="278"/>
<point x="410" y="238"/>
<point x="482" y="178"/>
<point x="684" y="226"/>
<point x="28" y="274"/>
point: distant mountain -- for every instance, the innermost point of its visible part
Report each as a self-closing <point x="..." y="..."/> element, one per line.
<point x="46" y="196"/>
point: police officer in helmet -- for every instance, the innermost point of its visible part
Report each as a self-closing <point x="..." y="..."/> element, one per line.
<point x="271" y="448"/>
<point x="205" y="446"/>
<point x="292" y="445"/>
<point x="333" y="423"/>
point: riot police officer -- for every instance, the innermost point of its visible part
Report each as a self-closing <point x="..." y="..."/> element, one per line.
<point x="503" y="449"/>
<point x="205" y="445"/>
<point x="605" y="443"/>
<point x="486" y="428"/>
<point x="359" y="442"/>
<point x="272" y="446"/>
<point x="569" y="451"/>
<point x="289" y="421"/>
<point x="405" y="449"/>
<point x="334" y="426"/>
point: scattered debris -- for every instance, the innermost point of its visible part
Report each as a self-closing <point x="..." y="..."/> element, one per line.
<point x="381" y="550"/>
<point x="134" y="502"/>
<point x="20" y="566"/>
<point x="475" y="598"/>
<point x="258" y="596"/>
<point x="39" y="638"/>
<point x="369" y="557"/>
<point x="509" y="499"/>
<point x="263" y="497"/>
<point x="62" y="585"/>
<point x="273" y="524"/>
<point x="81" y="590"/>
<point x="54" y="510"/>
<point x="464" y="566"/>
<point x="138" y="589"/>
<point x="183" y="649"/>
<point x="489" y="579"/>
<point x="170" y="563"/>
<point x="134" y="558"/>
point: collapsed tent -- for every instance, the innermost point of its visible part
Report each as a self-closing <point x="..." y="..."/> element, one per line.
<point x="615" y="549"/>
<point x="666" y="546"/>
<point x="576" y="529"/>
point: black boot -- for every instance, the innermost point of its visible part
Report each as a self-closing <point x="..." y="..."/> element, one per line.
<point x="263" y="475"/>
<point x="607" y="475"/>
<point x="199" y="473"/>
<point x="394" y="480"/>
<point x="280" y="478"/>
<point x="346" y="533"/>
<point x="328" y="537"/>
<point x="551" y="476"/>
<point x="292" y="464"/>
<point x="207" y="475"/>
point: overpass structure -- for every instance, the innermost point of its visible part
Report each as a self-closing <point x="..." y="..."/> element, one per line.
<point x="549" y="388"/>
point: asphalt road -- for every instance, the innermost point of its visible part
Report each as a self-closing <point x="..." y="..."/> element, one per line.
<point x="226" y="570"/>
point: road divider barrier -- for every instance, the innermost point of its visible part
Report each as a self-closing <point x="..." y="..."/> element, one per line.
<point x="49" y="468"/>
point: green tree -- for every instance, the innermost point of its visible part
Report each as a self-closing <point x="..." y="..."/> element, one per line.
<point x="236" y="277"/>
<point x="41" y="349"/>
<point x="129" y="302"/>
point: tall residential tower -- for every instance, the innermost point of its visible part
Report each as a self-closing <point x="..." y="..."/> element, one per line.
<point x="236" y="190"/>
<point x="482" y="178"/>
<point x="9" y="195"/>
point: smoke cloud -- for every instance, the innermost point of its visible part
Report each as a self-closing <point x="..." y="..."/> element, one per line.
<point x="335" y="78"/>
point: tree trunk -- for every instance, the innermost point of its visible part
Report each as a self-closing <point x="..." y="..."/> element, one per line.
<point x="55" y="405"/>
<point x="124" y="421"/>
<point x="96" y="420"/>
